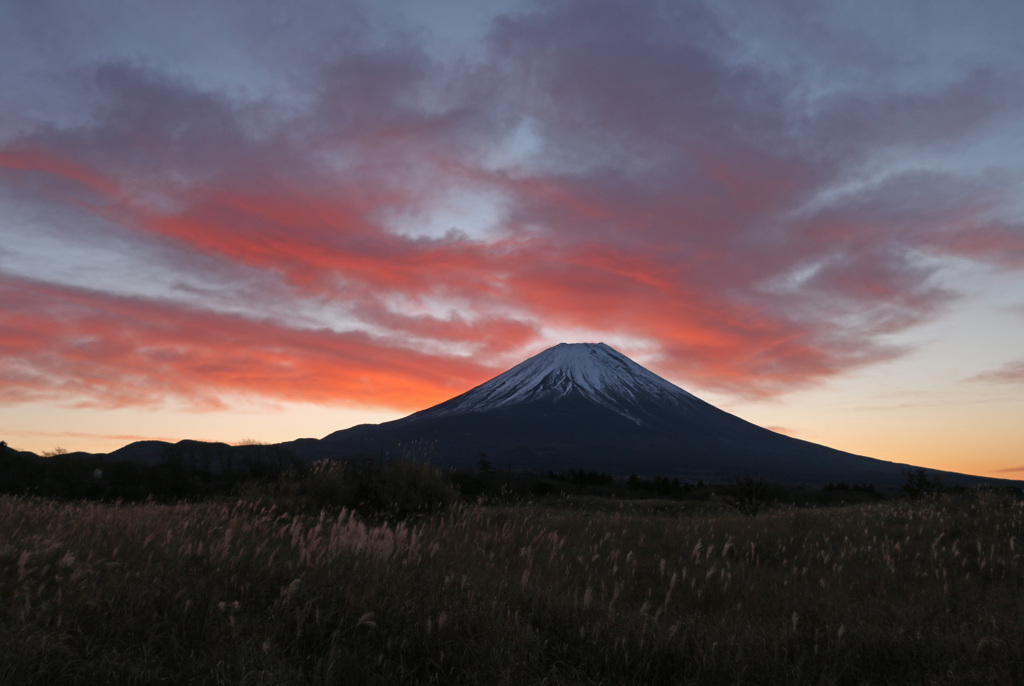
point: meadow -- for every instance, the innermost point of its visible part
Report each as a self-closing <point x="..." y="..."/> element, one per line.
<point x="555" y="591"/>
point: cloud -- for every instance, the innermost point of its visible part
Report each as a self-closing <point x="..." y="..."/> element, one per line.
<point x="120" y="438"/>
<point x="758" y="226"/>
<point x="1011" y="373"/>
<point x="73" y="346"/>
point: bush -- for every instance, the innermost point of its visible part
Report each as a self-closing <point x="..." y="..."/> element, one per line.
<point x="917" y="484"/>
<point x="402" y="488"/>
<point x="748" y="494"/>
<point x="395" y="489"/>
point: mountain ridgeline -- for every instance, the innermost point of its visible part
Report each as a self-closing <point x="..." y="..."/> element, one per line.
<point x="587" y="406"/>
<point x="576" y="406"/>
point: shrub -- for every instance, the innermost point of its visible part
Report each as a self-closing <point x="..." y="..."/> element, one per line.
<point x="394" y="489"/>
<point x="916" y="484"/>
<point x="748" y="495"/>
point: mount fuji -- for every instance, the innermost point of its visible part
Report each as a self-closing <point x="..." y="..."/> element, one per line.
<point x="587" y="406"/>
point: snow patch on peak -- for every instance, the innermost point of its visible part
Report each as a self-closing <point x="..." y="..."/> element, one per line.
<point x="595" y="371"/>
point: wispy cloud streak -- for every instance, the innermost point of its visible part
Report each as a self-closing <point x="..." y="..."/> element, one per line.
<point x="1011" y="372"/>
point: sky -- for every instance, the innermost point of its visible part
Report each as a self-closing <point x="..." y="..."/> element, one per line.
<point x="260" y="220"/>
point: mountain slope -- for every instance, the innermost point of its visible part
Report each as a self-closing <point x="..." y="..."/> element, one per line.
<point x="594" y="372"/>
<point x="587" y="406"/>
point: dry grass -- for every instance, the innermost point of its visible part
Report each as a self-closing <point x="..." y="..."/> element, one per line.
<point x="923" y="592"/>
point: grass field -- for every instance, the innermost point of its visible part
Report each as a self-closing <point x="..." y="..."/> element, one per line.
<point x="557" y="592"/>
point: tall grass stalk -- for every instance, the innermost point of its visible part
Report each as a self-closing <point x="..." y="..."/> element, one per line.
<point x="238" y="593"/>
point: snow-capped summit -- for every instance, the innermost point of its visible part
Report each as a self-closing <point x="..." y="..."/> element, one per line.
<point x="593" y="371"/>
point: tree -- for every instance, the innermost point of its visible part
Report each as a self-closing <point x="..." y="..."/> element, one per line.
<point x="916" y="483"/>
<point x="748" y="495"/>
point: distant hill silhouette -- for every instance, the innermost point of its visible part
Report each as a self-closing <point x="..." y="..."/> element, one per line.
<point x="579" y="406"/>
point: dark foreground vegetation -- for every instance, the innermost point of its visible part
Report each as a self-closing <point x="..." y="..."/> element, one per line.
<point x="194" y="471"/>
<point x="283" y="583"/>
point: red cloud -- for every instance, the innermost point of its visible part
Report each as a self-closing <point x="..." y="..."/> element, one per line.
<point x="57" y="166"/>
<point x="674" y="196"/>
<point x="329" y="248"/>
<point x="1002" y="245"/>
<point x="77" y="346"/>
